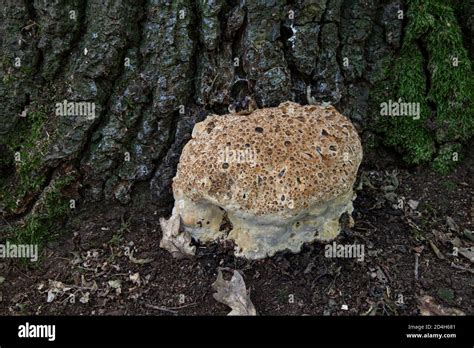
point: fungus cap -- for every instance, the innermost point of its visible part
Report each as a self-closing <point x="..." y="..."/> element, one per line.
<point x="274" y="173"/>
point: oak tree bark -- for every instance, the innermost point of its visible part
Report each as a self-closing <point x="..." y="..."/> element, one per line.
<point x="154" y="68"/>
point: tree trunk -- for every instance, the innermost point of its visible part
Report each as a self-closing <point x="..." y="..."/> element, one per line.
<point x="152" y="69"/>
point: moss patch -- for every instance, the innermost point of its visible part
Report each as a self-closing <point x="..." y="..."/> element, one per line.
<point x="27" y="147"/>
<point x="434" y="70"/>
<point x="29" y="142"/>
<point x="39" y="226"/>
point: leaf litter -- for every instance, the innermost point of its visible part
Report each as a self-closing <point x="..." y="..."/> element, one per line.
<point x="234" y="294"/>
<point x="176" y="241"/>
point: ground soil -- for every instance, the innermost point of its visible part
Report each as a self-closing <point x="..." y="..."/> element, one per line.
<point x="89" y="270"/>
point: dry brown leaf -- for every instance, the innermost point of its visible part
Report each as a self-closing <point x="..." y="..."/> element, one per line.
<point x="174" y="240"/>
<point x="428" y="306"/>
<point x="234" y="294"/>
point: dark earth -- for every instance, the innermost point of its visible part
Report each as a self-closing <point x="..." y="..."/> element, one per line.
<point x="97" y="277"/>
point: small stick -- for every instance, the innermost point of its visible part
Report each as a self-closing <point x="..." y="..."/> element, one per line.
<point x="461" y="268"/>
<point x="169" y="309"/>
<point x="164" y="309"/>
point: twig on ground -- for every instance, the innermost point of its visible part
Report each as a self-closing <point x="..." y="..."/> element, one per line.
<point x="462" y="268"/>
<point x="170" y="309"/>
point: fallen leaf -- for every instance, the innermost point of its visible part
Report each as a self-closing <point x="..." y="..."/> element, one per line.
<point x="115" y="284"/>
<point x="138" y="261"/>
<point x="51" y="296"/>
<point x="413" y="204"/>
<point x="456" y="242"/>
<point x="234" y="294"/>
<point x="428" y="306"/>
<point x="2" y="280"/>
<point x="436" y="250"/>
<point x="451" y="224"/>
<point x="380" y="275"/>
<point x="392" y="197"/>
<point x="56" y="288"/>
<point x="135" y="278"/>
<point x="440" y="236"/>
<point x="469" y="235"/>
<point x="174" y="240"/>
<point x="57" y="285"/>
<point x="467" y="253"/>
<point x="92" y="285"/>
<point x="84" y="298"/>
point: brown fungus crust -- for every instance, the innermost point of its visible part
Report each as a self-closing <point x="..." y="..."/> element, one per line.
<point x="275" y="161"/>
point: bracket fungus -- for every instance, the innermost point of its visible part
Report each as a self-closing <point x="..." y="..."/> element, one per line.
<point x="270" y="181"/>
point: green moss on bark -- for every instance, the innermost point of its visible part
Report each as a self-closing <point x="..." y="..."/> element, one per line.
<point x="40" y="225"/>
<point x="29" y="142"/>
<point x="426" y="72"/>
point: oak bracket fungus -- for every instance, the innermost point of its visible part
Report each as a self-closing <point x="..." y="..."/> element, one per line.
<point x="281" y="176"/>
